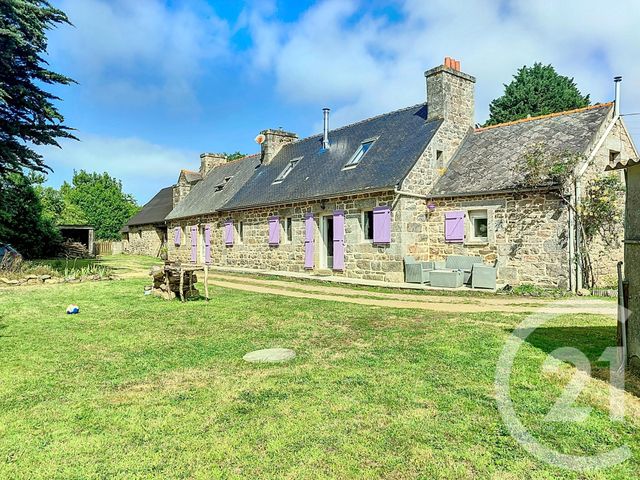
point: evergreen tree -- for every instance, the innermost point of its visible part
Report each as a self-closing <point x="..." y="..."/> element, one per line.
<point x="28" y="115"/>
<point x="537" y="90"/>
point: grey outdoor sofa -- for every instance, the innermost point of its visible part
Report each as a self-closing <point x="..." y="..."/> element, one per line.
<point x="453" y="272"/>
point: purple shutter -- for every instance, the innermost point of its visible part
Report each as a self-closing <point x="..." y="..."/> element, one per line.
<point x="177" y="232"/>
<point x="338" y="240"/>
<point x="194" y="243"/>
<point x="382" y="225"/>
<point x="454" y="227"/>
<point x="274" y="230"/>
<point x="207" y="243"/>
<point x="228" y="232"/>
<point x="308" y="240"/>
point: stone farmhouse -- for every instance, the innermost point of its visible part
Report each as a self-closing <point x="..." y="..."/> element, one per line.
<point x="420" y="181"/>
<point x="146" y="232"/>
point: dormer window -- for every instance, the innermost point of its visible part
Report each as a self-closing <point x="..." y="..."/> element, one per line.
<point x="221" y="185"/>
<point x="357" y="157"/>
<point x="287" y="170"/>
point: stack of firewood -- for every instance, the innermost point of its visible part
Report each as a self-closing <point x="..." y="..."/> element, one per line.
<point x="166" y="282"/>
<point x="70" y="249"/>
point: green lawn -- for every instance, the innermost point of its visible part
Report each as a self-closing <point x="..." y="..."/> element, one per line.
<point x="136" y="387"/>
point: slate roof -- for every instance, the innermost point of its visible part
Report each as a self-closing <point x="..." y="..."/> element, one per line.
<point x="155" y="210"/>
<point x="206" y="196"/>
<point x="488" y="158"/>
<point x="401" y="137"/>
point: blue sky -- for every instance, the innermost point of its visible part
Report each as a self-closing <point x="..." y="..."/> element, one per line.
<point x="160" y="81"/>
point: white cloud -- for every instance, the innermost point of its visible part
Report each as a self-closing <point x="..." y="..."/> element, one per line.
<point x="142" y="166"/>
<point x="139" y="51"/>
<point x="337" y="55"/>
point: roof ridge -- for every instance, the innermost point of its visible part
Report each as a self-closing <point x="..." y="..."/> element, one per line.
<point x="186" y="170"/>
<point x="240" y="159"/>
<point x="362" y="121"/>
<point x="548" y="115"/>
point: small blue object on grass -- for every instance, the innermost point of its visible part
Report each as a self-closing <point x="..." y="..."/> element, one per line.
<point x="73" y="309"/>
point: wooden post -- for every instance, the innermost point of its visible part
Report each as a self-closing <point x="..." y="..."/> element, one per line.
<point x="206" y="281"/>
<point x="181" y="284"/>
<point x="166" y="281"/>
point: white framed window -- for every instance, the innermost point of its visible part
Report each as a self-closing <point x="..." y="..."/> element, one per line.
<point x="478" y="226"/>
<point x="288" y="229"/>
<point x="360" y="153"/>
<point x="287" y="170"/>
<point x="367" y="225"/>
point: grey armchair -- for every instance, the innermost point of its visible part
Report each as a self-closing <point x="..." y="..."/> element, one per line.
<point x="484" y="276"/>
<point x="416" y="272"/>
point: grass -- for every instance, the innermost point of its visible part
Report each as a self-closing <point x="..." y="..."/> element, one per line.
<point x="136" y="387"/>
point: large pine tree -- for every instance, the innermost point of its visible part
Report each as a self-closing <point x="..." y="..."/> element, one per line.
<point x="537" y="90"/>
<point x="28" y="115"/>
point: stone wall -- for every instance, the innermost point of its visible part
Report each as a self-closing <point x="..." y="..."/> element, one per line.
<point x="604" y="253"/>
<point x="143" y="240"/>
<point x="527" y="235"/>
<point x="362" y="258"/>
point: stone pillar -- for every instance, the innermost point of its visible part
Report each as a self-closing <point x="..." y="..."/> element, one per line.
<point x="273" y="142"/>
<point x="209" y="161"/>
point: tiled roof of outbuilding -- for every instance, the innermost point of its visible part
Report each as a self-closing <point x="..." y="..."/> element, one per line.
<point x="488" y="158"/>
<point x="155" y="210"/>
<point x="210" y="194"/>
<point x="191" y="176"/>
<point x="401" y="137"/>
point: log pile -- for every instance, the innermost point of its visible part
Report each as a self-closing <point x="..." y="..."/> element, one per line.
<point x="167" y="285"/>
<point x="71" y="249"/>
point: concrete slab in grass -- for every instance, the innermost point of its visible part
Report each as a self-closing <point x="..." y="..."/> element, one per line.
<point x="270" y="355"/>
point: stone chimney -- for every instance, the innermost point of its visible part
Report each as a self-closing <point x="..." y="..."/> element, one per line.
<point x="273" y="141"/>
<point x="209" y="161"/>
<point x="450" y="97"/>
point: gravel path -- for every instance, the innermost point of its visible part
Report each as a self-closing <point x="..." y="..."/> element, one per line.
<point x="442" y="303"/>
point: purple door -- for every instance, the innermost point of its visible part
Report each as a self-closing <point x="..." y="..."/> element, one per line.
<point x="194" y="243"/>
<point x="338" y="240"/>
<point x="207" y="243"/>
<point x="308" y="240"/>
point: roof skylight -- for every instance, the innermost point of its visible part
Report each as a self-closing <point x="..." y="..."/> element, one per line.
<point x="357" y="157"/>
<point x="287" y="170"/>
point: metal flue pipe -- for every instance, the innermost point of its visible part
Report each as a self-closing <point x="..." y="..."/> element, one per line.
<point x="616" y="105"/>
<point x="325" y="131"/>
